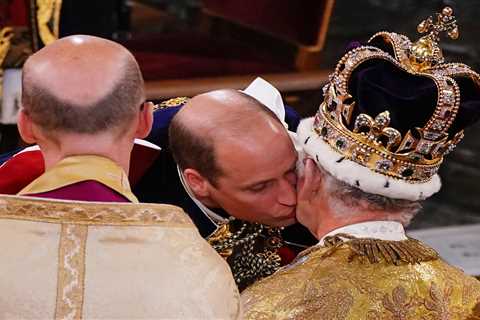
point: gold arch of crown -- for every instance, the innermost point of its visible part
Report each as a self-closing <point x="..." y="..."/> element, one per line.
<point x="417" y="156"/>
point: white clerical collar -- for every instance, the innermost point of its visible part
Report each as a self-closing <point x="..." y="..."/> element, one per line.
<point x="383" y="230"/>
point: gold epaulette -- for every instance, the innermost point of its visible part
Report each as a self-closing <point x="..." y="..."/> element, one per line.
<point x="370" y="250"/>
<point x="170" y="103"/>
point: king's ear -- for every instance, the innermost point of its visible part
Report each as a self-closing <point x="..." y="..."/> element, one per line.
<point x="25" y="127"/>
<point x="197" y="183"/>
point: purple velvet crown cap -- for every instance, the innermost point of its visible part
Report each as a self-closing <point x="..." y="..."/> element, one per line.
<point x="352" y="45"/>
<point x="378" y="85"/>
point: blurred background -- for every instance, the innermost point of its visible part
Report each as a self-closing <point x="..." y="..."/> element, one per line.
<point x="185" y="47"/>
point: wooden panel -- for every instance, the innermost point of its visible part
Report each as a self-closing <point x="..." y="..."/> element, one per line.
<point x="301" y="22"/>
<point x="284" y="82"/>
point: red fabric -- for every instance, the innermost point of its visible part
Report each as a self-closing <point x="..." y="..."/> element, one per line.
<point x="13" y="13"/>
<point x="142" y="158"/>
<point x="83" y="191"/>
<point x="286" y="254"/>
<point x="20" y="170"/>
<point x="291" y="19"/>
<point x="200" y="44"/>
<point x="23" y="168"/>
<point x="189" y="55"/>
<point x="157" y="66"/>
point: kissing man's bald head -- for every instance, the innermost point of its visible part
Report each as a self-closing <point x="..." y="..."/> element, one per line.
<point x="221" y="115"/>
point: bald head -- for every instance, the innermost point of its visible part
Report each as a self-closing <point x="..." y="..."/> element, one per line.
<point x="81" y="84"/>
<point x="222" y="115"/>
<point x="226" y="113"/>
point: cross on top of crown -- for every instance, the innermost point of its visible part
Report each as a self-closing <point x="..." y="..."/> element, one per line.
<point x="445" y="22"/>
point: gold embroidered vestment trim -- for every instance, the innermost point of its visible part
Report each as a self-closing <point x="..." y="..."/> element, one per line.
<point x="71" y="271"/>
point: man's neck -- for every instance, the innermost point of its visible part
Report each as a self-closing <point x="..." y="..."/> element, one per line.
<point x="331" y="222"/>
<point x="377" y="229"/>
<point x="118" y="152"/>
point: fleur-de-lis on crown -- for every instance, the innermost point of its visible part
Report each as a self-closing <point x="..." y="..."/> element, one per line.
<point x="377" y="130"/>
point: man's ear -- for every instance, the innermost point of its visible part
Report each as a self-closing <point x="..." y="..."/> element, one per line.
<point x="25" y="127"/>
<point x="198" y="183"/>
<point x="145" y="121"/>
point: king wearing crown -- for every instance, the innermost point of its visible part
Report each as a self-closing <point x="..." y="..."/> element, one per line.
<point x="392" y="111"/>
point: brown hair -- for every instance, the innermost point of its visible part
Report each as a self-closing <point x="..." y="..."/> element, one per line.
<point x="114" y="110"/>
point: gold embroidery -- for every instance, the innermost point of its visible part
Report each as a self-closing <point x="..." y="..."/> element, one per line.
<point x="221" y="234"/>
<point x="439" y="301"/>
<point x="400" y="306"/>
<point x="324" y="284"/>
<point x="323" y="302"/>
<point x="364" y="284"/>
<point x="71" y="272"/>
<point x="468" y="293"/>
<point x="170" y="103"/>
<point x="371" y="250"/>
<point x="475" y="313"/>
<point x="91" y="213"/>
<point x="75" y="169"/>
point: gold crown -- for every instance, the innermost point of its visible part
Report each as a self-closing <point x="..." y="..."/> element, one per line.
<point x="417" y="156"/>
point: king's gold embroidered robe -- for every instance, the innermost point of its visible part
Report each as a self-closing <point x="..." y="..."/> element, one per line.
<point x="373" y="280"/>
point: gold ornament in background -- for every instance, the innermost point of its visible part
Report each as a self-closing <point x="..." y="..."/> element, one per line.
<point x="6" y="35"/>
<point x="48" y="20"/>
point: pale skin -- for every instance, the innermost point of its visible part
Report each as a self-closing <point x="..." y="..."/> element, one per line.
<point x="316" y="211"/>
<point x="255" y="154"/>
<point x="81" y="70"/>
